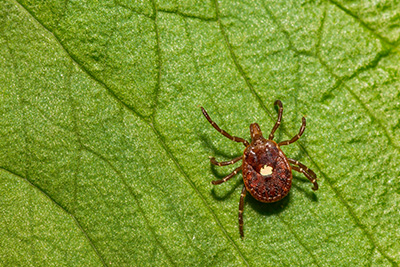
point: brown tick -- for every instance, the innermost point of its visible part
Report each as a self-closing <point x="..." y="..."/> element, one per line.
<point x="267" y="174"/>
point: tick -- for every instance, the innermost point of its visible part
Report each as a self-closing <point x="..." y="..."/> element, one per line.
<point x="267" y="172"/>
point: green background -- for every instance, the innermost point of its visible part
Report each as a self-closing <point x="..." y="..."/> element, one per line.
<point x="104" y="150"/>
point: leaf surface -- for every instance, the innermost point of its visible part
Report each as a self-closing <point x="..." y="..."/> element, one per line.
<point x="104" y="150"/>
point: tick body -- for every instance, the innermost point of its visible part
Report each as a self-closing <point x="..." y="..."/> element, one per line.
<point x="267" y="172"/>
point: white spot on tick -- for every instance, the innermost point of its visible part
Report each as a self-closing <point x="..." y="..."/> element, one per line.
<point x="266" y="170"/>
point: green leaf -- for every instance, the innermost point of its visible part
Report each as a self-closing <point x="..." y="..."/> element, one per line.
<point x="104" y="150"/>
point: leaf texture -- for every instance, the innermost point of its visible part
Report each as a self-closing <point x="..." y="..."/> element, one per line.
<point x="104" y="150"/>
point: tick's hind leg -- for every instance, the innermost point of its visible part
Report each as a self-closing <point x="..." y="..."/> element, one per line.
<point x="297" y="136"/>
<point x="310" y="174"/>
<point x="224" y="133"/>
<point x="278" y="121"/>
<point x="241" y="207"/>
<point x="227" y="177"/>
<point x="225" y="163"/>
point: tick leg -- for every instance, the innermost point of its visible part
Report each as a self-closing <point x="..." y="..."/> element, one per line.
<point x="233" y="138"/>
<point x="310" y="174"/>
<point x="225" y="163"/>
<point x="297" y="136"/>
<point x="278" y="121"/>
<point x="241" y="207"/>
<point x="226" y="178"/>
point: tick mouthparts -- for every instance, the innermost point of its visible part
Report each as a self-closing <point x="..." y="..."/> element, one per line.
<point x="255" y="131"/>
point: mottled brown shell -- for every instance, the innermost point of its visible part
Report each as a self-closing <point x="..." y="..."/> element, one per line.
<point x="262" y="153"/>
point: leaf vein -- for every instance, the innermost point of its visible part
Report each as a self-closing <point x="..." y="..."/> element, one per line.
<point x="362" y="23"/>
<point x="63" y="209"/>
<point x="148" y="224"/>
<point x="179" y="167"/>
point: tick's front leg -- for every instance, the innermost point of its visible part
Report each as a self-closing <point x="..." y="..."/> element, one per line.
<point x="223" y="132"/>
